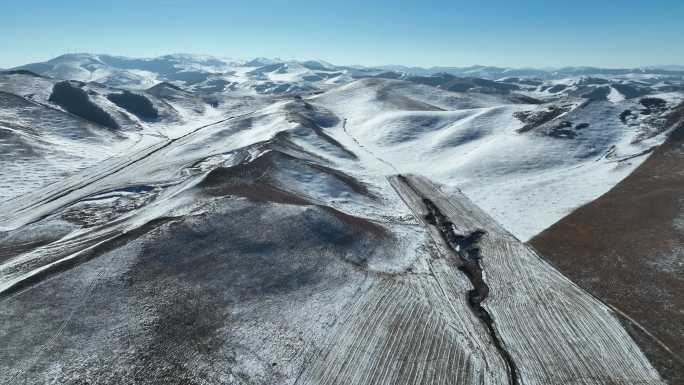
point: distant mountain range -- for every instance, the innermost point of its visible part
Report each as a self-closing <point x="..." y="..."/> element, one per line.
<point x="197" y="68"/>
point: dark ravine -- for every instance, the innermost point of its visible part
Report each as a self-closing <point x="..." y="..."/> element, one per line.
<point x="465" y="248"/>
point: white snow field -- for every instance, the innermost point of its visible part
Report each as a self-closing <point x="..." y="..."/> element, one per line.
<point x="524" y="181"/>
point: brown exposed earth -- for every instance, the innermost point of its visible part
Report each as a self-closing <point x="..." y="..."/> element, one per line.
<point x="627" y="248"/>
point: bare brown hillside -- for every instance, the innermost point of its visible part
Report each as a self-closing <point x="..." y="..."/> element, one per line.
<point x="627" y="248"/>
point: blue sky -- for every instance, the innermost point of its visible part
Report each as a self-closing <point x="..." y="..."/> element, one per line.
<point x="607" y="33"/>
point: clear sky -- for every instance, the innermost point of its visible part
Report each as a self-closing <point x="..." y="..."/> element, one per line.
<point x="517" y="33"/>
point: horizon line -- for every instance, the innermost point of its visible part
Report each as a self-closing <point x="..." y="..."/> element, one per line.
<point x="407" y="66"/>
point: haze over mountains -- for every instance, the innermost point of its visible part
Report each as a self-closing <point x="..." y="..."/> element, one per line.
<point x="191" y="219"/>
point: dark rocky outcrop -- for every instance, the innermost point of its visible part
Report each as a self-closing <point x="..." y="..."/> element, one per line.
<point x="70" y="96"/>
<point x="652" y="105"/>
<point x="563" y="130"/>
<point x="534" y="119"/>
<point x="625" y="115"/>
<point x="137" y="105"/>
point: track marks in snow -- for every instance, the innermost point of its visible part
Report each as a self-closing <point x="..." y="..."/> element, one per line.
<point x="554" y="332"/>
<point x="366" y="149"/>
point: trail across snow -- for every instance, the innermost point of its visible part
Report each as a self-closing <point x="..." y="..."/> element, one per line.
<point x="526" y="181"/>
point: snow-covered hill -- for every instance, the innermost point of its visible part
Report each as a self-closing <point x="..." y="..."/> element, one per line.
<point x="527" y="175"/>
<point x="276" y="221"/>
<point x="276" y="76"/>
<point x="528" y="146"/>
<point x="201" y="73"/>
<point x="52" y="129"/>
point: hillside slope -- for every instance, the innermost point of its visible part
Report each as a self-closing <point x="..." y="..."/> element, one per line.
<point x="296" y="222"/>
<point x="626" y="247"/>
<point x="527" y="173"/>
<point x="263" y="250"/>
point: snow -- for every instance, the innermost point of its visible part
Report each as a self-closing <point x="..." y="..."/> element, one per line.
<point x="196" y="236"/>
<point x="526" y="182"/>
<point x="615" y="96"/>
<point x="466" y="141"/>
